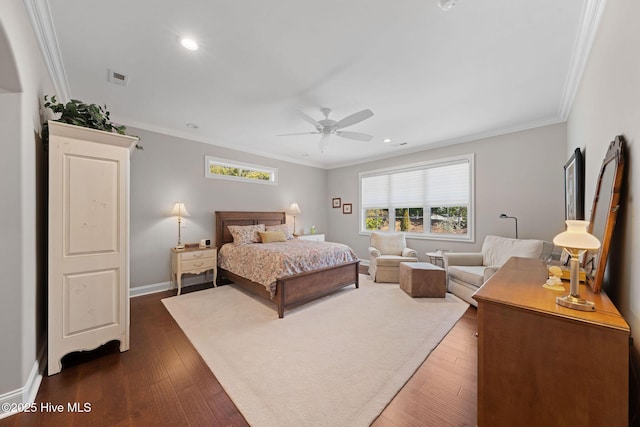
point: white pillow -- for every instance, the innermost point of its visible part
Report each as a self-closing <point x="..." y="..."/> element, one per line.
<point x="497" y="250"/>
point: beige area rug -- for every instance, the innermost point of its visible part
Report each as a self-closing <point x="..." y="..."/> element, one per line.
<point x="337" y="361"/>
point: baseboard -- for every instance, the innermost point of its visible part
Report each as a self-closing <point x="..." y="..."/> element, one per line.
<point x="163" y="286"/>
<point x="149" y="289"/>
<point x="25" y="395"/>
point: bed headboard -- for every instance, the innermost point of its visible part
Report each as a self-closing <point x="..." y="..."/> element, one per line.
<point x="226" y="218"/>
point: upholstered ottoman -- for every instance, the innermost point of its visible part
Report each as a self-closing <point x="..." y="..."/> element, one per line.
<point x="421" y="279"/>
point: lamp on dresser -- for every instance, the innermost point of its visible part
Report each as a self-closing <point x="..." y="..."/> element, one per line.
<point x="180" y="211"/>
<point x="294" y="209"/>
<point x="576" y="241"/>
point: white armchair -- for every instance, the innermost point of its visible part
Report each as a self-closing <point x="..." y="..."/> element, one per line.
<point x="467" y="272"/>
<point x="386" y="252"/>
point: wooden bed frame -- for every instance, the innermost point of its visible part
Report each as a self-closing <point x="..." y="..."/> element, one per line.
<point x="290" y="290"/>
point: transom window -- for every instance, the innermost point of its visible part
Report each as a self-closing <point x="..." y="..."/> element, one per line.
<point x="236" y="171"/>
<point x="425" y="200"/>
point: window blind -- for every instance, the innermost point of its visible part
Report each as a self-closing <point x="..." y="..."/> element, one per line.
<point x="437" y="185"/>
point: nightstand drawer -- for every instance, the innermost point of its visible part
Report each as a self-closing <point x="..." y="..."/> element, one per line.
<point x="187" y="256"/>
<point x="198" y="264"/>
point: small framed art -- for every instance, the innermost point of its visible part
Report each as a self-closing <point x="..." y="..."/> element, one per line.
<point x="336" y="202"/>
<point x="346" y="208"/>
<point x="574" y="186"/>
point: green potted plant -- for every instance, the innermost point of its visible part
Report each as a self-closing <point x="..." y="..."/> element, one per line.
<point x="78" y="113"/>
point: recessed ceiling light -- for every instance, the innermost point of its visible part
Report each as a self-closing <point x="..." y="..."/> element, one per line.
<point x="387" y="140"/>
<point x="188" y="43"/>
<point x="192" y="125"/>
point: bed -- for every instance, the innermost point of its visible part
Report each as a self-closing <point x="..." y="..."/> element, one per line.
<point x="291" y="290"/>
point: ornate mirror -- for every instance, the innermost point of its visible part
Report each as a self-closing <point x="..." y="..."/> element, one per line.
<point x="606" y="203"/>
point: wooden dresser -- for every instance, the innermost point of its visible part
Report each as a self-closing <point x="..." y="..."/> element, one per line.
<point x="540" y="364"/>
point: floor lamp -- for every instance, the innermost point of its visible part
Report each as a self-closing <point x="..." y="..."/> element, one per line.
<point x="503" y="216"/>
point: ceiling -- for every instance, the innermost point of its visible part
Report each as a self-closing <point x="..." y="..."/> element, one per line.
<point x="431" y="77"/>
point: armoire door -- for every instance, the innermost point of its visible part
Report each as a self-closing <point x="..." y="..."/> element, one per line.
<point x="88" y="245"/>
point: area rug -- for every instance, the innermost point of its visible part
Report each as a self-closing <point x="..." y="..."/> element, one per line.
<point x="337" y="361"/>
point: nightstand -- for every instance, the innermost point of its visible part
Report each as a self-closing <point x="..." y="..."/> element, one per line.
<point x="193" y="261"/>
<point x="314" y="237"/>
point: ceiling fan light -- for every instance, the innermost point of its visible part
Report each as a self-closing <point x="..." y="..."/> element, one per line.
<point x="446" y="4"/>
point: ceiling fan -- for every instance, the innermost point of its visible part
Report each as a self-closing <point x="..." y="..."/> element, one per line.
<point x="327" y="127"/>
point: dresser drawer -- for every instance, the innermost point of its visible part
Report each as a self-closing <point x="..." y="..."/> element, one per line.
<point x="312" y="237"/>
<point x="198" y="264"/>
<point x="187" y="256"/>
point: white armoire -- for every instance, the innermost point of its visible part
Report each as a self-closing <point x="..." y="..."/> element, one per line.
<point x="88" y="296"/>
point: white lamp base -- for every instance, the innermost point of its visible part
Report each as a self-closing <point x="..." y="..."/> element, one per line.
<point x="180" y="246"/>
<point x="576" y="303"/>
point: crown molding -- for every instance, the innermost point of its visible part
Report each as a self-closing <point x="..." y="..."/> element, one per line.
<point x="454" y="141"/>
<point x="207" y="140"/>
<point x="40" y="17"/>
<point x="591" y="15"/>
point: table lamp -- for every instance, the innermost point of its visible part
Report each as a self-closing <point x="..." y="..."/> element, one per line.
<point x="576" y="241"/>
<point x="294" y="209"/>
<point x="179" y="210"/>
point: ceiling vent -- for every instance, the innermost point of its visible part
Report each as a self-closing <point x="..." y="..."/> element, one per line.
<point x="118" y="78"/>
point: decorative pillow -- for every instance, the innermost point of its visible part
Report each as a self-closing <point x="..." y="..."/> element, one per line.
<point x="281" y="227"/>
<point x="497" y="250"/>
<point x="272" y="236"/>
<point x="243" y="234"/>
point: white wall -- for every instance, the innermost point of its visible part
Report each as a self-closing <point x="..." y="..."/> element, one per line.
<point x="608" y="104"/>
<point x="23" y="327"/>
<point x="171" y="169"/>
<point x="520" y="174"/>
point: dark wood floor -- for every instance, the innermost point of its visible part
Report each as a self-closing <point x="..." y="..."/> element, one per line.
<point x="163" y="381"/>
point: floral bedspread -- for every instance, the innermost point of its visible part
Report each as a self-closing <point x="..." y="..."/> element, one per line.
<point x="264" y="263"/>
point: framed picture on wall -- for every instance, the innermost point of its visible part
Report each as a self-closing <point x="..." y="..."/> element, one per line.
<point x="346" y="208"/>
<point x="336" y="202"/>
<point x="574" y="186"/>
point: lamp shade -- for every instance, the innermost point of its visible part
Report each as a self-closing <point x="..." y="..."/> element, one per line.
<point x="179" y="210"/>
<point x="576" y="236"/>
<point x="294" y="208"/>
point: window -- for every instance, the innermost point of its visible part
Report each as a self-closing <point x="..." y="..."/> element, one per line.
<point x="237" y="171"/>
<point x="425" y="200"/>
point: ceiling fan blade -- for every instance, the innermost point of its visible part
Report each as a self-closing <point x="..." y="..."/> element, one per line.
<point x="354" y="135"/>
<point x="299" y="133"/>
<point x="309" y="119"/>
<point x="324" y="142"/>
<point x="353" y="119"/>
